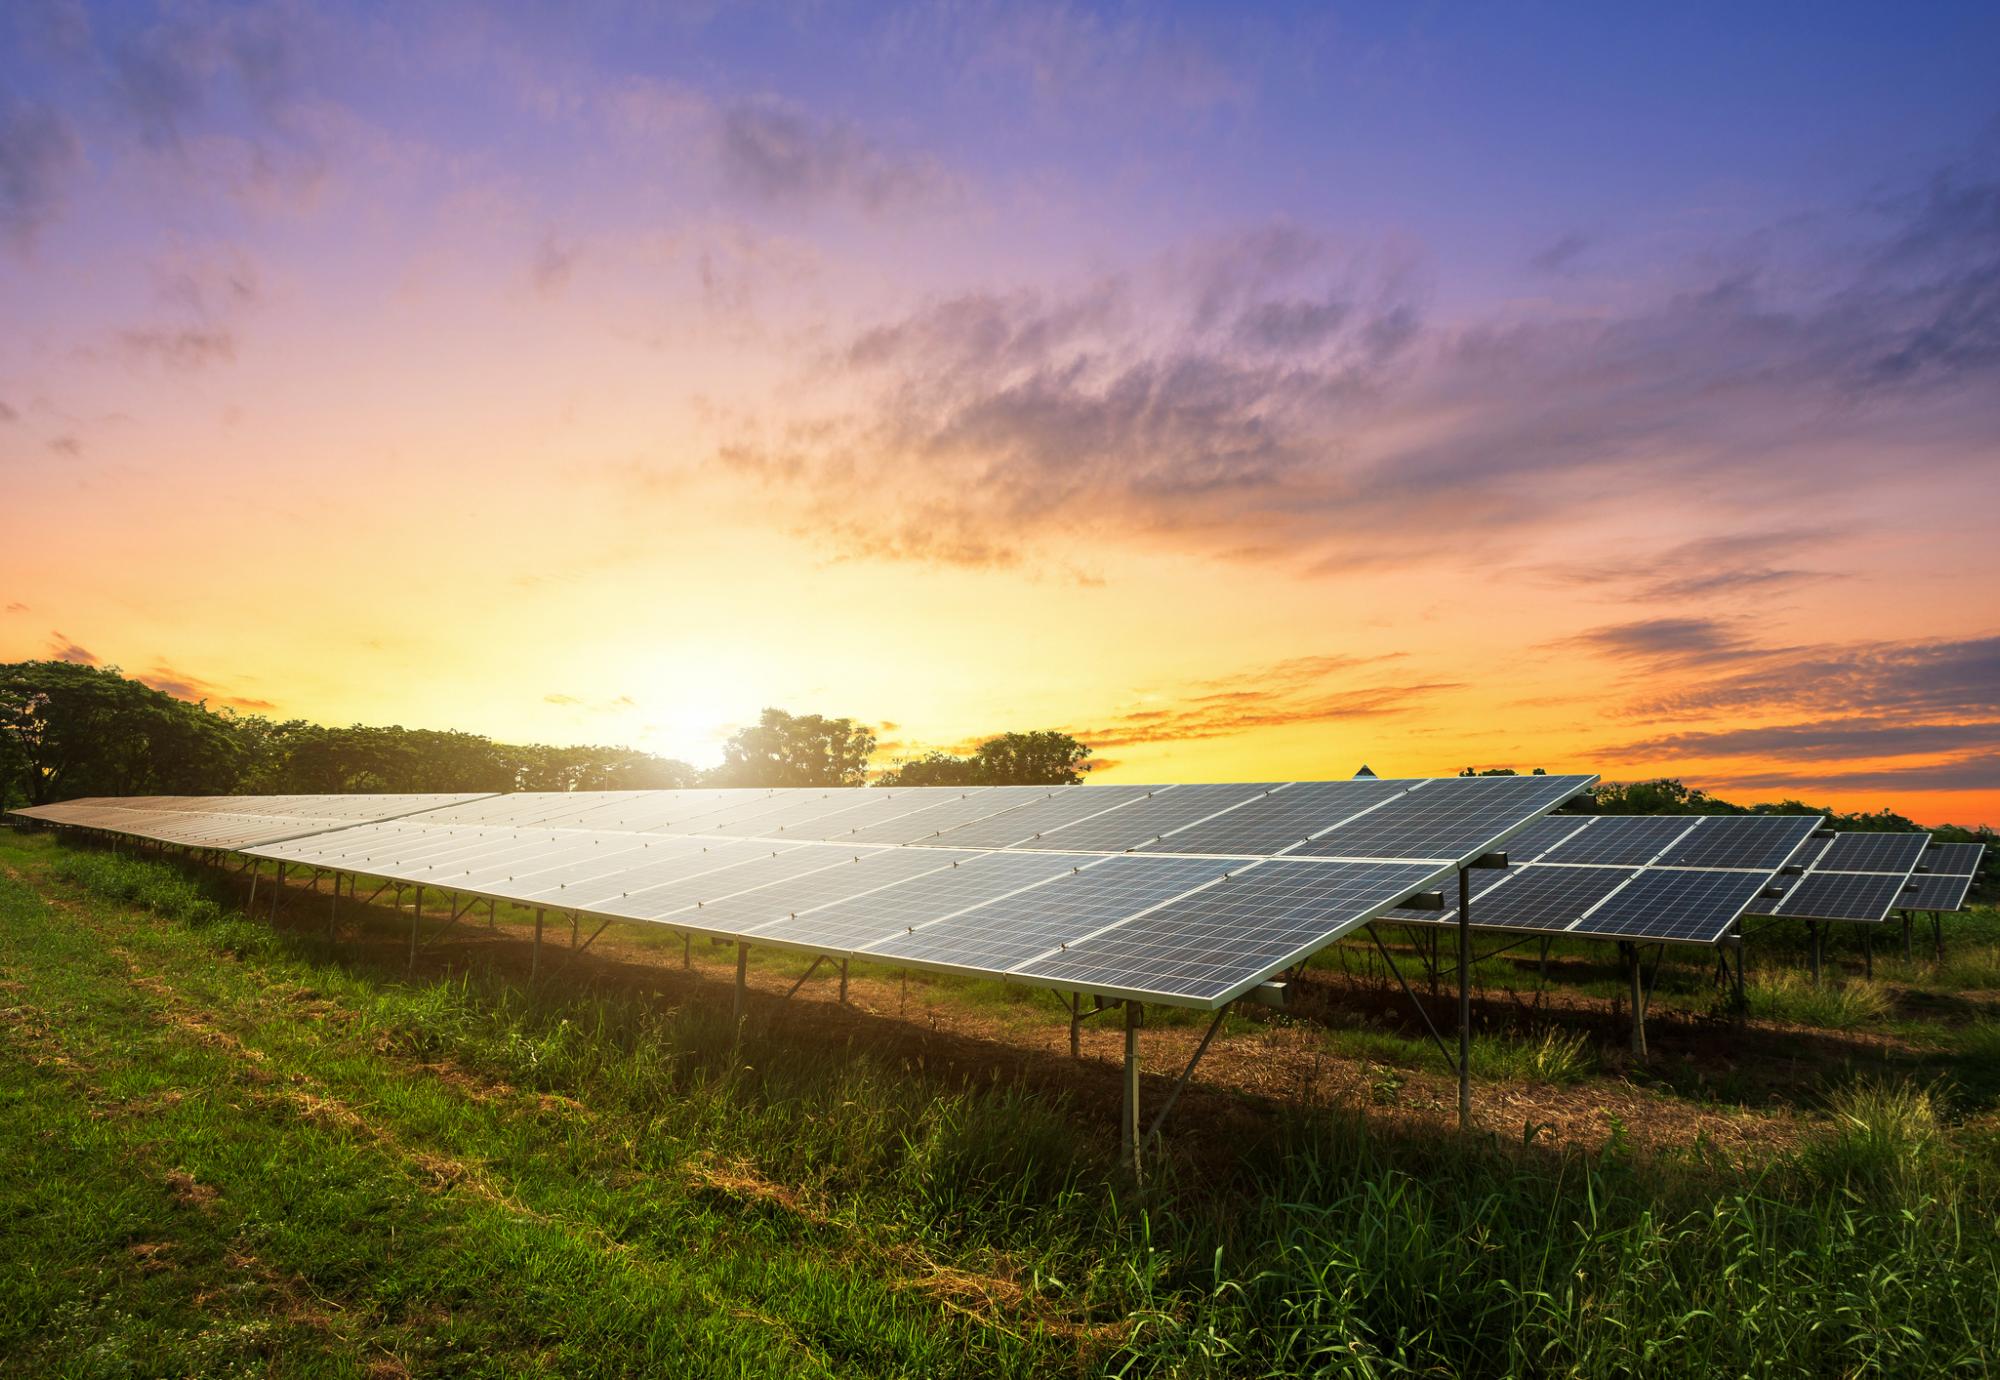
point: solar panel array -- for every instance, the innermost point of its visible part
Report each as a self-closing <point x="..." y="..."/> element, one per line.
<point x="1684" y="879"/>
<point x="232" y="822"/>
<point x="1953" y="868"/>
<point x="1857" y="877"/>
<point x="1189" y="895"/>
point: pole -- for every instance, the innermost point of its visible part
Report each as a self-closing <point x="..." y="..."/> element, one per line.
<point x="416" y="919"/>
<point x="1464" y="999"/>
<point x="1868" y="952"/>
<point x="278" y="890"/>
<point x="687" y="951"/>
<point x="742" y="983"/>
<point x="535" y="955"/>
<point x="1128" y="1121"/>
<point x="250" y="906"/>
<point x="1937" y="936"/>
<point x="843" y="982"/>
<point x="1908" y="955"/>
<point x="332" y="909"/>
<point x="1636" y="973"/>
<point x="1075" y="1025"/>
<point x="1812" y="949"/>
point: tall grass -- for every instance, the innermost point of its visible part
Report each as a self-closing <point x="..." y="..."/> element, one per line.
<point x="1833" y="1005"/>
<point x="1326" y="1245"/>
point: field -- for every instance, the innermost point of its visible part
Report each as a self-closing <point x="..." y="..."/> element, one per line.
<point x="237" y="1147"/>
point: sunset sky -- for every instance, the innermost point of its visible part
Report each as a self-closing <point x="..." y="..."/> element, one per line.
<point x="1254" y="393"/>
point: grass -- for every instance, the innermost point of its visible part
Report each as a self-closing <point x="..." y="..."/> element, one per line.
<point x="231" y="1153"/>
<point x="1832" y="1004"/>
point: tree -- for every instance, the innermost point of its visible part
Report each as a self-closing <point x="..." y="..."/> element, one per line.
<point x="783" y="749"/>
<point x="1048" y="758"/>
<point x="78" y="730"/>
<point x="934" y="769"/>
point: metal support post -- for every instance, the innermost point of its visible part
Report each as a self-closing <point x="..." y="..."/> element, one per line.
<point x="1812" y="949"/>
<point x="278" y="890"/>
<point x="1636" y="973"/>
<point x="250" y="906"/>
<point x="791" y="991"/>
<point x="1867" y="951"/>
<point x="535" y="954"/>
<point x="1937" y="936"/>
<point x="843" y="982"/>
<point x="416" y="919"/>
<point x="1173" y="1094"/>
<point x="332" y="908"/>
<point x="687" y="951"/>
<point x="1908" y="955"/>
<point x="1464" y="999"/>
<point x="742" y="984"/>
<point x="1076" y="1025"/>
<point x="1128" y="1121"/>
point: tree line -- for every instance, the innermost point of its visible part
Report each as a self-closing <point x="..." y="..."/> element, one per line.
<point x="68" y="730"/>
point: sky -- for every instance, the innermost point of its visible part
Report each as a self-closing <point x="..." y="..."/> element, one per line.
<point x="1254" y="392"/>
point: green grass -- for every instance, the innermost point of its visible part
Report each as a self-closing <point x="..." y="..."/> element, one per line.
<point x="230" y="1152"/>
<point x="1833" y="1004"/>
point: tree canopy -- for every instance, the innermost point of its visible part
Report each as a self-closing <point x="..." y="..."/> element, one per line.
<point x="783" y="749"/>
<point x="1047" y="758"/>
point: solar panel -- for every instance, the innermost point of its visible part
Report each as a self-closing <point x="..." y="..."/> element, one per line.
<point x="1746" y="841"/>
<point x="1542" y="898"/>
<point x="233" y="822"/>
<point x="1449" y="820"/>
<point x="1148" y="819"/>
<point x="1544" y="834"/>
<point x="1027" y="822"/>
<point x="1002" y="933"/>
<point x="1627" y="840"/>
<point x="1873" y="853"/>
<point x="925" y="823"/>
<point x="1953" y="869"/>
<point x="1859" y="877"/>
<point x="1267" y="823"/>
<point x="1690" y="906"/>
<point x="1213" y="946"/>
<point x="1587" y="883"/>
<point x="880" y="867"/>
<point x="936" y="894"/>
<point x="1863" y="896"/>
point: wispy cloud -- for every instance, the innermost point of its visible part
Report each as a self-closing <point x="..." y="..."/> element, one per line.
<point x="184" y="686"/>
<point x="38" y="150"/>
<point x="1273" y="391"/>
<point x="62" y="648"/>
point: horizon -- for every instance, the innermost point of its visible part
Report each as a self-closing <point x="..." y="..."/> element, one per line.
<point x="1251" y="396"/>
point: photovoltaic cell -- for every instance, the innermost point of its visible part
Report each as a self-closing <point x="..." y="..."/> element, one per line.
<point x="1022" y="824"/>
<point x="857" y="922"/>
<point x="1873" y="853"/>
<point x="1542" y="897"/>
<point x="1000" y="934"/>
<point x="1747" y="841"/>
<point x="1448" y="820"/>
<point x="1953" y="869"/>
<point x="1681" y="904"/>
<point x="1544" y="834"/>
<point x="1147" y="819"/>
<point x="1864" y="896"/>
<point x="882" y="867"/>
<point x="1622" y="840"/>
<point x="1220" y="942"/>
<point x="1268" y="823"/>
<point x="923" y="825"/>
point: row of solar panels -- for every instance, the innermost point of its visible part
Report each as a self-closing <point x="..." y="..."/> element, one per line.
<point x="1691" y="879"/>
<point x="1189" y="895"/>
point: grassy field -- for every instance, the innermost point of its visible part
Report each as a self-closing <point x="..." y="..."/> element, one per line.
<point x="236" y="1148"/>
